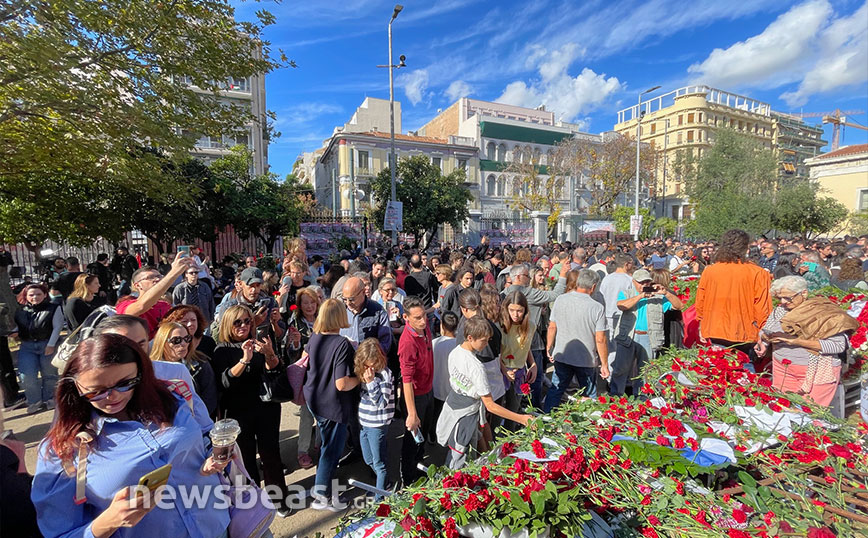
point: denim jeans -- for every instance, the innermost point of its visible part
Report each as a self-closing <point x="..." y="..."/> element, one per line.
<point x="334" y="438"/>
<point x="305" y="430"/>
<point x="563" y="376"/>
<point x="373" y="441"/>
<point x="637" y="352"/>
<point x="539" y="356"/>
<point x="32" y="361"/>
<point x="412" y="452"/>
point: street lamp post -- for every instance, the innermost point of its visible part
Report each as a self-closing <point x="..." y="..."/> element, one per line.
<point x="638" y="135"/>
<point x="392" y="160"/>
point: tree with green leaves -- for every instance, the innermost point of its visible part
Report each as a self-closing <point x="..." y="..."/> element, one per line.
<point x="621" y="216"/>
<point x="429" y="197"/>
<point x="799" y="210"/>
<point x="732" y="186"/>
<point x="858" y="221"/>
<point x="261" y="205"/>
<point x="84" y="84"/>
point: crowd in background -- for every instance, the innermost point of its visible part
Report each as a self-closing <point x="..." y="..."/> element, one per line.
<point x="453" y="342"/>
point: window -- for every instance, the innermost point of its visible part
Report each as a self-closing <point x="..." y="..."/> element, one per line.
<point x="678" y="140"/>
<point x="700" y="117"/>
<point x="489" y="151"/>
<point x="690" y="136"/>
<point x="690" y="118"/>
<point x="489" y="185"/>
<point x="501" y="186"/>
<point x="364" y="162"/>
<point x="462" y="164"/>
<point x="501" y="153"/>
<point x="863" y="199"/>
<point x="680" y="119"/>
<point x="438" y="162"/>
<point x="653" y="128"/>
<point x="517" y="154"/>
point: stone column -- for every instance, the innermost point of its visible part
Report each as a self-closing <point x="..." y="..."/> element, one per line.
<point x="474" y="225"/>
<point x="540" y="227"/>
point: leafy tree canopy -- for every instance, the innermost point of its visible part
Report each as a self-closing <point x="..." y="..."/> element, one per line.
<point x="429" y="197"/>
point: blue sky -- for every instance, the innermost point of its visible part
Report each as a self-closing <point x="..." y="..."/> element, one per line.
<point x="583" y="59"/>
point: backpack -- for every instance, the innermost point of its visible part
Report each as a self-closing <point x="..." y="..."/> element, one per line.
<point x="83" y="331"/>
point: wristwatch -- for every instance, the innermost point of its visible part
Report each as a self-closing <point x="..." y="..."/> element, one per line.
<point x="245" y="363"/>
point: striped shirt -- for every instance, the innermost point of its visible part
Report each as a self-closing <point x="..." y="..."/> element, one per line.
<point x="377" y="406"/>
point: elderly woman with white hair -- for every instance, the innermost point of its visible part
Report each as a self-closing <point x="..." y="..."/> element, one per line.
<point x="808" y="335"/>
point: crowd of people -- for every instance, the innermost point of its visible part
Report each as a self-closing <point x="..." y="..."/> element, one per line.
<point x="451" y="342"/>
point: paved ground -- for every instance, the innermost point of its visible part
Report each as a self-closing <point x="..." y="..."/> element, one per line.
<point x="303" y="523"/>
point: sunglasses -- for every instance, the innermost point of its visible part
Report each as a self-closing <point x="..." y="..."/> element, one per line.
<point x="178" y="340"/>
<point x="241" y="322"/>
<point x="124" y="386"/>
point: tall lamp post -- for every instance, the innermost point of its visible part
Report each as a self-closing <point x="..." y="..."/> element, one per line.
<point x="392" y="160"/>
<point x="638" y="135"/>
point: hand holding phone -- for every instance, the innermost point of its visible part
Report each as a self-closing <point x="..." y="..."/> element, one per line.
<point x="184" y="251"/>
<point x="156" y="478"/>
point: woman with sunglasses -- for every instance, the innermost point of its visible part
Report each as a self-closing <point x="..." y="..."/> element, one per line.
<point x="243" y="364"/>
<point x="115" y="423"/>
<point x="174" y="343"/>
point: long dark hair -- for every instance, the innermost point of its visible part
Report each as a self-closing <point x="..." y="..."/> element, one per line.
<point x="151" y="402"/>
<point x="490" y="302"/>
<point x="515" y="297"/>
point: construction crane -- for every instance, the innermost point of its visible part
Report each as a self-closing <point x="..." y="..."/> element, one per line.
<point x="837" y="119"/>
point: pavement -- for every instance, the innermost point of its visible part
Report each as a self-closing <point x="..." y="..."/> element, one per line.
<point x="301" y="523"/>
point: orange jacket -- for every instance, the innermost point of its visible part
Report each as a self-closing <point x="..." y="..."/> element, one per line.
<point x="733" y="301"/>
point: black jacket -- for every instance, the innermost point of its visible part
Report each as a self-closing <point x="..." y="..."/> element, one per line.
<point x="35" y="322"/>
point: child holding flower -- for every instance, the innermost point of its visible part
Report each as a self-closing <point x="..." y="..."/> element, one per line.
<point x="464" y="410"/>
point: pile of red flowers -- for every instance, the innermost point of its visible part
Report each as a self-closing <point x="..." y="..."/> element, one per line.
<point x="622" y="458"/>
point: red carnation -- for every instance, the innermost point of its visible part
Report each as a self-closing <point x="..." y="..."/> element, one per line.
<point x="840" y="451"/>
<point x="820" y="532"/>
<point x="786" y="362"/>
<point x="653" y="520"/>
<point x="506" y="449"/>
<point x="293" y="307"/>
<point x="739" y="515"/>
<point x="538" y="450"/>
<point x="384" y="510"/>
<point x="525" y="388"/>
<point x="662" y="440"/>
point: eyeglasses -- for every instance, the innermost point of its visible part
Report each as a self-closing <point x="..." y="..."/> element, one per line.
<point x="790" y="299"/>
<point x="388" y="290"/>
<point x="178" y="340"/>
<point x="124" y="386"/>
<point x="242" y="322"/>
<point x="155" y="278"/>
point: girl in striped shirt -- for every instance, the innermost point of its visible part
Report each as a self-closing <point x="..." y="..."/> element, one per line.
<point x="377" y="405"/>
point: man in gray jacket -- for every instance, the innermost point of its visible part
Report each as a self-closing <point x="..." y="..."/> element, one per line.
<point x="194" y="293"/>
<point x="536" y="299"/>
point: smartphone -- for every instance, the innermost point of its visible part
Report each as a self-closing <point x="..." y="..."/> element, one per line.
<point x="812" y="266"/>
<point x="287" y="280"/>
<point x="648" y="288"/>
<point x="184" y="251"/>
<point x="156" y="478"/>
<point x="261" y="333"/>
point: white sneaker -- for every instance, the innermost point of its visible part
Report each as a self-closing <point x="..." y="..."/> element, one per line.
<point x="321" y="503"/>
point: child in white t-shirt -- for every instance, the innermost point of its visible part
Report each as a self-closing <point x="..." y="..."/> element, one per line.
<point x="458" y="425"/>
<point x="443" y="346"/>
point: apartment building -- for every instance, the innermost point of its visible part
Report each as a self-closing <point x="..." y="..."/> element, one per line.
<point x="843" y="175"/>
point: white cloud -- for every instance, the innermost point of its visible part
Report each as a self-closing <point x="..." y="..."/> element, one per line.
<point x="415" y="84"/>
<point x="809" y="45"/>
<point x="843" y="58"/>
<point x="560" y="92"/>
<point x="457" y="90"/>
<point x="770" y="56"/>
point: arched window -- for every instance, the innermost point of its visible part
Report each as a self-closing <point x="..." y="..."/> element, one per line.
<point x="536" y="155"/>
<point x="501" y="152"/>
<point x="489" y="151"/>
<point x="501" y="186"/>
<point x="517" y="154"/>
<point x="489" y="185"/>
<point x="549" y="155"/>
<point x="528" y="154"/>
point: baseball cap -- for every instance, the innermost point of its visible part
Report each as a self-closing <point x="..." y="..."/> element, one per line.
<point x="641" y="275"/>
<point x="251" y="275"/>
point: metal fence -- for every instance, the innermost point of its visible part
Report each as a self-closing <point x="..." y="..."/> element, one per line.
<point x="27" y="261"/>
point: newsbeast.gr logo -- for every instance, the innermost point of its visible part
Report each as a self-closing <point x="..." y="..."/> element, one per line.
<point x="238" y="495"/>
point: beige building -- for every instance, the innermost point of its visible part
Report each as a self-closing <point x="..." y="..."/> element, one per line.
<point x="684" y="120"/>
<point x="249" y="93"/>
<point x="843" y="175"/>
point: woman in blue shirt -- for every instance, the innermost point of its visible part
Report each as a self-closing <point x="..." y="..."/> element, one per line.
<point x="130" y="424"/>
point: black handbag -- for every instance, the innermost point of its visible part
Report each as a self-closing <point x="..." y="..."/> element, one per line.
<point x="275" y="386"/>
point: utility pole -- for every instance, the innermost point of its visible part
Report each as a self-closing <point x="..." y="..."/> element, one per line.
<point x="665" y="161"/>
<point x="353" y="183"/>
<point x="638" y="144"/>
